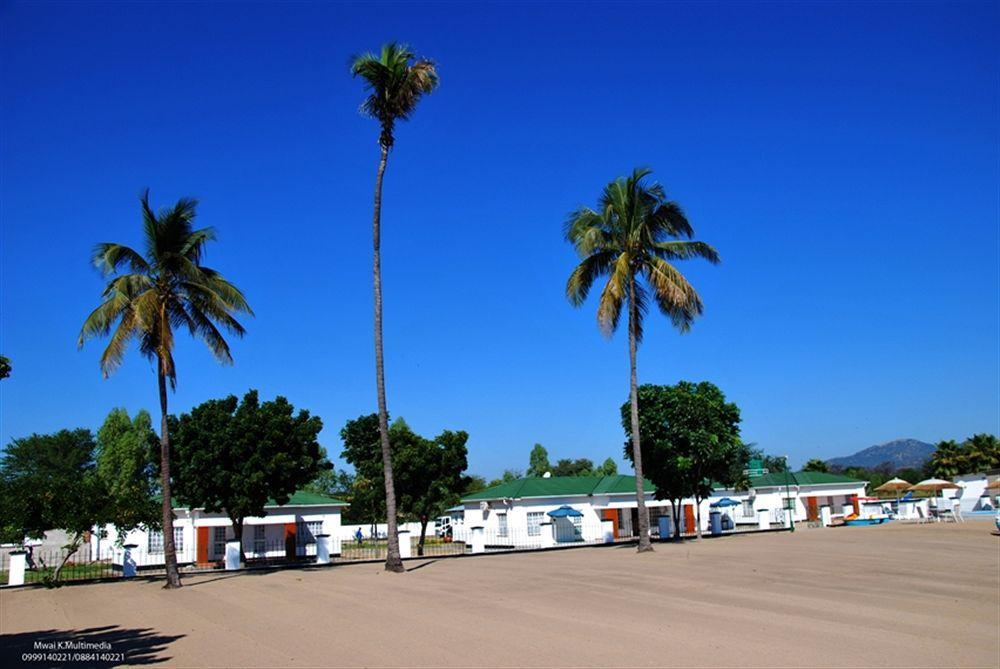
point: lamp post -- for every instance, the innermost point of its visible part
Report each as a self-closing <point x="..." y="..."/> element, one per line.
<point x="789" y="502"/>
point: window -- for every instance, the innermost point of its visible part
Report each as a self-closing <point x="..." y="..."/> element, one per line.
<point x="789" y="503"/>
<point x="747" y="508"/>
<point x="502" y="520"/>
<point x="535" y="523"/>
<point x="578" y="527"/>
<point x="219" y="541"/>
<point x="260" y="540"/>
<point x="155" y="540"/>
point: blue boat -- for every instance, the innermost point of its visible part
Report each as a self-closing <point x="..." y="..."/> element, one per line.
<point x="868" y="521"/>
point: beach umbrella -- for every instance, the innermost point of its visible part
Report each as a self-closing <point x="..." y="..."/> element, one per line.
<point x="725" y="501"/>
<point x="565" y="511"/>
<point x="935" y="485"/>
<point x="895" y="485"/>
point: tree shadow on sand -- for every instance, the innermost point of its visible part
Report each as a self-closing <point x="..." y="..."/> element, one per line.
<point x="122" y="646"/>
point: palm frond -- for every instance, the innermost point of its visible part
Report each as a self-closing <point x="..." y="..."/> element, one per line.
<point x="676" y="298"/>
<point x="685" y="250"/>
<point x="636" y="225"/>
<point x="614" y="295"/>
<point x="582" y="279"/>
<point x="109" y="258"/>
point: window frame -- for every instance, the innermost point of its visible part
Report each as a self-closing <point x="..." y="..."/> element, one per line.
<point x="536" y="530"/>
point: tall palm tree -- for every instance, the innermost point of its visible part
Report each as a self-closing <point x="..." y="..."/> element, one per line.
<point x="632" y="238"/>
<point x="151" y="294"/>
<point x="395" y="80"/>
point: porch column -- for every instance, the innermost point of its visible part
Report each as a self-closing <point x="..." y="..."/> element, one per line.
<point x="764" y="519"/>
<point x="322" y="549"/>
<point x="548" y="533"/>
<point x="15" y="573"/>
<point x="405" y="548"/>
<point x="232" y="554"/>
<point x="825" y="515"/>
<point x="478" y="539"/>
<point x="608" y="531"/>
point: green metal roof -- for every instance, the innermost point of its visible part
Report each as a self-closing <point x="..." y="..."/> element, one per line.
<point x="298" y="498"/>
<point x="779" y="479"/>
<point x="562" y="486"/>
<point x="559" y="486"/>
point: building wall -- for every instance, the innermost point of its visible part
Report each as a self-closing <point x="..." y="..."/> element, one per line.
<point x="971" y="496"/>
<point x="189" y="522"/>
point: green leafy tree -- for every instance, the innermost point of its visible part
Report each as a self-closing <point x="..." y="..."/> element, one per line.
<point x="362" y="450"/>
<point x="578" y="467"/>
<point x="507" y="476"/>
<point x="50" y="482"/>
<point x="978" y="453"/>
<point x="538" y="461"/>
<point x="473" y="484"/>
<point x="693" y="438"/>
<point x="395" y="81"/>
<point x="815" y="465"/>
<point x="125" y="466"/>
<point x="429" y="472"/>
<point x="237" y="456"/>
<point x="5" y="367"/>
<point x="151" y="294"/>
<point x="633" y="237"/>
<point x="331" y="482"/>
<point x="608" y="468"/>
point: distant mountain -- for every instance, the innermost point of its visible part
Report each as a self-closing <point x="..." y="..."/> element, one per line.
<point x="899" y="453"/>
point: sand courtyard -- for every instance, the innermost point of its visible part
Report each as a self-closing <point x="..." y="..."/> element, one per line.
<point x="893" y="596"/>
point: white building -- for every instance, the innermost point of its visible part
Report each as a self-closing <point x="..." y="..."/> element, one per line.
<point x="286" y="531"/>
<point x="972" y="493"/>
<point x="515" y="512"/>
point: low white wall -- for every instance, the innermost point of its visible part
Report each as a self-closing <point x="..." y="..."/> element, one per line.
<point x="347" y="532"/>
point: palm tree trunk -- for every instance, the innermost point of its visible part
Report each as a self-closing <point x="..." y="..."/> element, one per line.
<point x="393" y="562"/>
<point x="169" y="553"/>
<point x="697" y="514"/>
<point x="640" y="495"/>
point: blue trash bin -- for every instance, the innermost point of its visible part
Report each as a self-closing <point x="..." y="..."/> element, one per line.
<point x="664" y="527"/>
<point x="715" y="520"/>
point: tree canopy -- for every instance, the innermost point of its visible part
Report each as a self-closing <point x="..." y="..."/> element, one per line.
<point x="429" y="473"/>
<point x="815" y="465"/>
<point x="50" y="482"/>
<point x="978" y="453"/>
<point x="538" y="461"/>
<point x="234" y="456"/>
<point x="690" y="437"/>
<point x="126" y="450"/>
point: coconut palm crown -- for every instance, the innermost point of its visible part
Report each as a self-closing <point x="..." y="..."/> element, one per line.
<point x="165" y="288"/>
<point x="635" y="232"/>
<point x="631" y="238"/>
<point x="394" y="85"/>
<point x="151" y="294"/>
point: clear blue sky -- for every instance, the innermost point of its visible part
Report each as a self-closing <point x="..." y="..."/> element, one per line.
<point x="843" y="158"/>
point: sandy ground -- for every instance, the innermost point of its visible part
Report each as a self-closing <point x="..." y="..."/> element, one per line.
<point x="893" y="596"/>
